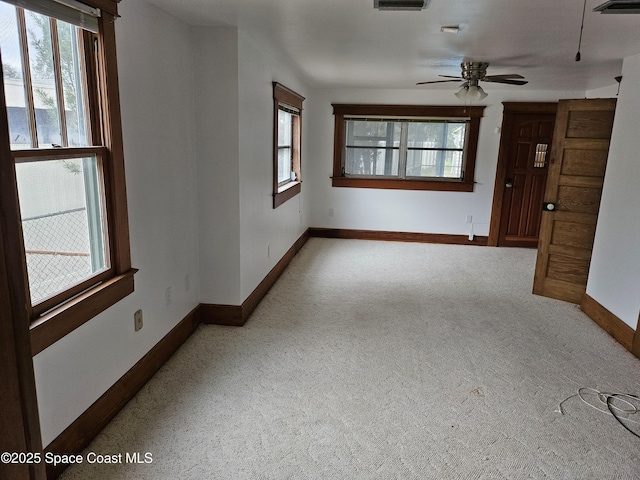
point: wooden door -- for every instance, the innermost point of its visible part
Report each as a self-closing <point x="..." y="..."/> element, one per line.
<point x="572" y="197"/>
<point x="528" y="145"/>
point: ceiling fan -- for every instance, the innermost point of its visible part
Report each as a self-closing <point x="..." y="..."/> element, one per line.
<point x="472" y="74"/>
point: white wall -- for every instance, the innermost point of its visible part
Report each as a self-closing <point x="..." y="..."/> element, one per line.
<point x="215" y="59"/>
<point x="610" y="91"/>
<point x="266" y="233"/>
<point x="402" y="210"/>
<point x="241" y="236"/>
<point x="614" y="276"/>
<point x="157" y="97"/>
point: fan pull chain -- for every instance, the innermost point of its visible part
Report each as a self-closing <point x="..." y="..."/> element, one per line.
<point x="584" y="8"/>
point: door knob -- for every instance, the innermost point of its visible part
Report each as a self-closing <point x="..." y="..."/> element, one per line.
<point x="509" y="183"/>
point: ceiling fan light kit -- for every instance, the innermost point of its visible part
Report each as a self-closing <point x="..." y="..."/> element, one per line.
<point x="471" y="93"/>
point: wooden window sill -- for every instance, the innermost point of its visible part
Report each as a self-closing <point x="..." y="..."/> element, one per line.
<point x="286" y="192"/>
<point x="397" y="184"/>
<point x="60" y="321"/>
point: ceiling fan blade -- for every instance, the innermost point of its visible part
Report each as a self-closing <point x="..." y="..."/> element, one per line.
<point x="439" y="81"/>
<point x="508" y="75"/>
<point x="506" y="81"/>
<point x="450" y="76"/>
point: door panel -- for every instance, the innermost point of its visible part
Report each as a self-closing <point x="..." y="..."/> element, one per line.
<point x="522" y="154"/>
<point x="568" y="269"/>
<point x="534" y="214"/>
<point x="578" y="199"/>
<point x="574" y="186"/>
<point x="573" y="234"/>
<point x="587" y="163"/>
<point x="590" y="124"/>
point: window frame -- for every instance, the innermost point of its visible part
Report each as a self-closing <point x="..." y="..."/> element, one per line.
<point x="57" y="316"/>
<point x="288" y="100"/>
<point x="472" y="114"/>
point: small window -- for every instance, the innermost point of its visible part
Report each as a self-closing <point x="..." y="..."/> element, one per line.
<point x="65" y="143"/>
<point x="287" y="144"/>
<point x="405" y="147"/>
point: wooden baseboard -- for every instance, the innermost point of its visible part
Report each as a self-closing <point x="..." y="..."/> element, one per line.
<point x="228" y="315"/>
<point x="615" y="327"/>
<point x="237" y="315"/>
<point x="635" y="349"/>
<point x="397" y="236"/>
<point x="85" y="428"/>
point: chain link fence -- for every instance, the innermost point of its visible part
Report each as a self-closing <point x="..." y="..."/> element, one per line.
<point x="57" y="250"/>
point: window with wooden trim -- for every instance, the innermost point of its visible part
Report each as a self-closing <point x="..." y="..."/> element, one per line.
<point x="287" y="141"/>
<point x="65" y="165"/>
<point x="405" y="147"/>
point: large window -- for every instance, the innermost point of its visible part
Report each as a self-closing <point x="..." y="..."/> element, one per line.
<point x="64" y="137"/>
<point x="405" y="147"/>
<point x="287" y="144"/>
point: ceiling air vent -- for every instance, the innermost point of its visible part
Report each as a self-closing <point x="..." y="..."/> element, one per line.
<point x="401" y="4"/>
<point x="619" y="6"/>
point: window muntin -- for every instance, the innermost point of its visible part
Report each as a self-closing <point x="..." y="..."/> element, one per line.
<point x="287" y="141"/>
<point x="409" y="147"/>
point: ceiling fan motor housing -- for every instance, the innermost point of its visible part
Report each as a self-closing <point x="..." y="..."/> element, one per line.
<point x="474" y="70"/>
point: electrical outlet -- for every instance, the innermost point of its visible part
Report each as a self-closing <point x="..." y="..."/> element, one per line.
<point x="469" y="219"/>
<point x="137" y="320"/>
<point x="167" y="296"/>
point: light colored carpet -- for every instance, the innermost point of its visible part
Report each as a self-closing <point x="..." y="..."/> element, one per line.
<point x="380" y="360"/>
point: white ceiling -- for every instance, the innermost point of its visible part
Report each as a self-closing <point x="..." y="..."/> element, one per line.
<point x="347" y="43"/>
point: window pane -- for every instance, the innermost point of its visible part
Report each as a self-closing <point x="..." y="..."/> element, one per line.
<point x="456" y="135"/>
<point x="13" y="79"/>
<point x="284" y="165"/>
<point x="63" y="223"/>
<point x="285" y="122"/>
<point x="72" y="84"/>
<point x="436" y="135"/>
<point x="371" y="133"/>
<point x="43" y="78"/>
<point x="434" y="163"/>
<point x="362" y="156"/>
<point x="372" y="161"/>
